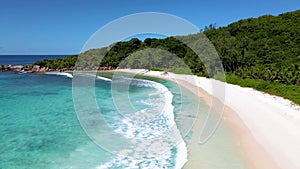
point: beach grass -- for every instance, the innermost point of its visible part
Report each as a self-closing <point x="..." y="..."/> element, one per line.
<point x="290" y="92"/>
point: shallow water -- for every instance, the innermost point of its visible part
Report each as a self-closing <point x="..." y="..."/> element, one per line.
<point x="40" y="129"/>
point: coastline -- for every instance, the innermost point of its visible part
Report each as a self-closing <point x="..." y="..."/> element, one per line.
<point x="265" y="127"/>
<point x="253" y="153"/>
<point x="257" y="121"/>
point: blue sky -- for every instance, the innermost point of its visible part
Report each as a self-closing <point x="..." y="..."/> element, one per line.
<point x="62" y="27"/>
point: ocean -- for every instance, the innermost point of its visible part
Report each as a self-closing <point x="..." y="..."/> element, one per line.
<point x="40" y="129"/>
<point x="25" y="59"/>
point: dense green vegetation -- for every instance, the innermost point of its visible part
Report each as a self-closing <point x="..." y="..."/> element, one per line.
<point x="265" y="48"/>
<point x="60" y="63"/>
<point x="263" y="53"/>
<point x="290" y="92"/>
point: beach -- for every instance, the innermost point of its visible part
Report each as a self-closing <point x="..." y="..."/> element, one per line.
<point x="257" y="130"/>
<point x="265" y="127"/>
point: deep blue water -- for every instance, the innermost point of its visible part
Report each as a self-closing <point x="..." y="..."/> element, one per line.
<point x="25" y="59"/>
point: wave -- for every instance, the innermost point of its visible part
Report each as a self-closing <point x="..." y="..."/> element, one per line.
<point x="22" y="72"/>
<point x="155" y="127"/>
<point x="69" y="75"/>
<point x="93" y="76"/>
<point x="103" y="78"/>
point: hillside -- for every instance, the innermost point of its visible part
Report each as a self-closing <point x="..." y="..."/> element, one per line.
<point x="265" y="48"/>
<point x="263" y="53"/>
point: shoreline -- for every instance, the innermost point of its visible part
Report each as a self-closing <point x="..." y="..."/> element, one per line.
<point x="265" y="127"/>
<point x="254" y="155"/>
<point x="262" y="147"/>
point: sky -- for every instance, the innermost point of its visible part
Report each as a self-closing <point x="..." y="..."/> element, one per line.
<point x="62" y="27"/>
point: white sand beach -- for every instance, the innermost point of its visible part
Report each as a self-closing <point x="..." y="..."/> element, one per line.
<point x="267" y="127"/>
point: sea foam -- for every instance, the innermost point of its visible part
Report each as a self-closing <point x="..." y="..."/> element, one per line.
<point x="69" y="75"/>
<point x="152" y="130"/>
<point x="103" y="78"/>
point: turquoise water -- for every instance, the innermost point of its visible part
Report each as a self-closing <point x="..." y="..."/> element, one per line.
<point x="39" y="126"/>
<point x="40" y="129"/>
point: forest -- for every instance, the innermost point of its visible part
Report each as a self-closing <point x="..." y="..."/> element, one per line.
<point x="264" y="49"/>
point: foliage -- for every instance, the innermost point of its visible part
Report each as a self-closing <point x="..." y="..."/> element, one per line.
<point x="290" y="92"/>
<point x="60" y="63"/>
<point x="266" y="49"/>
<point x="156" y="69"/>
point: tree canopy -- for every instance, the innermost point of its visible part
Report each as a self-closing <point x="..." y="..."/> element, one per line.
<point x="266" y="48"/>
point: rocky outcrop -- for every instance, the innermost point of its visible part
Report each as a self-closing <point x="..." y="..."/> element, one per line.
<point x="39" y="69"/>
<point x="17" y="68"/>
<point x="29" y="68"/>
<point x="4" y="68"/>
